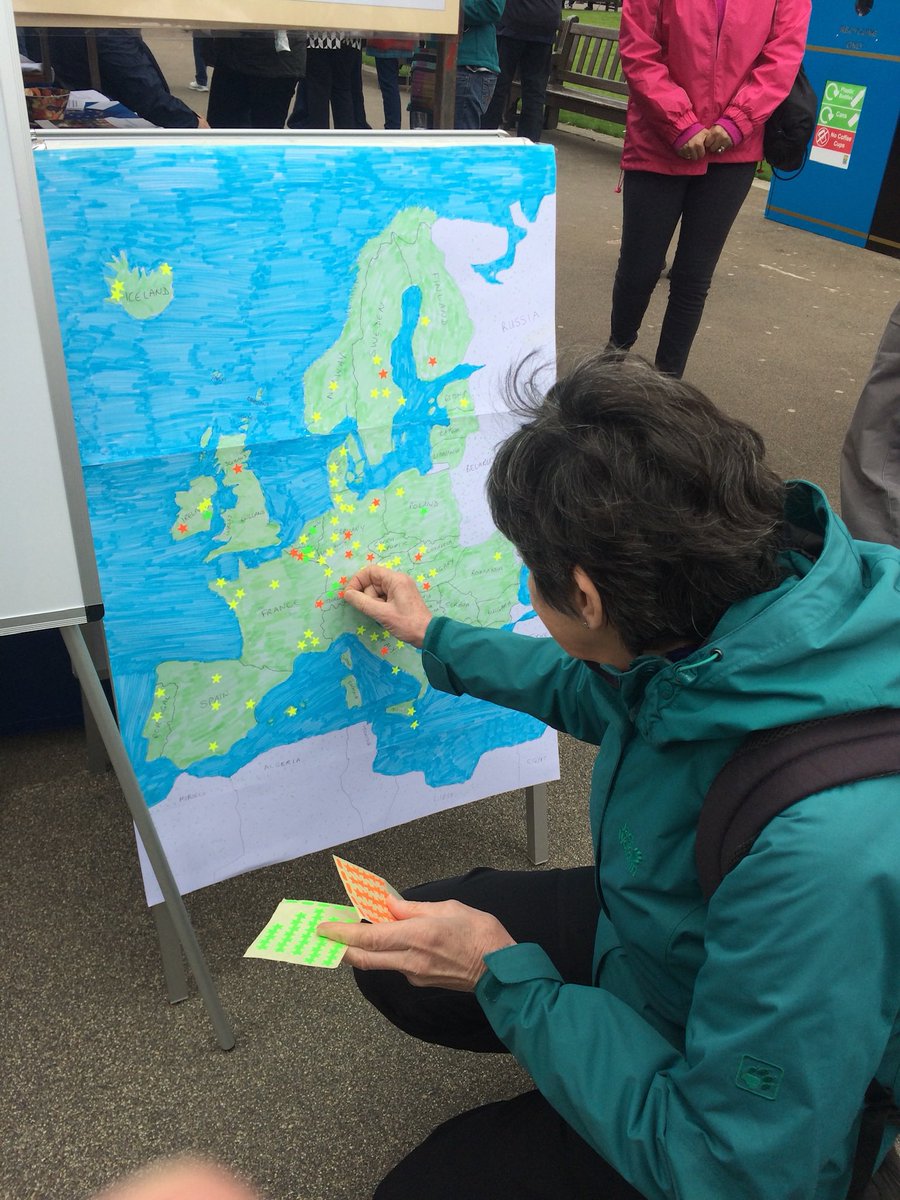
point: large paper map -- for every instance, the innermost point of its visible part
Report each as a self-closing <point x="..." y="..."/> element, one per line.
<point x="286" y="361"/>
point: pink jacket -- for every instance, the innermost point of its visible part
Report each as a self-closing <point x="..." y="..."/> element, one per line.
<point x="683" y="71"/>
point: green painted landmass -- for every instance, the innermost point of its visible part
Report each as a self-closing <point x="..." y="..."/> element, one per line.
<point x="292" y="605"/>
<point x="143" y="294"/>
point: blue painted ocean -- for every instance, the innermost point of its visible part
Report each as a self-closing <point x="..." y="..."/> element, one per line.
<point x="262" y="242"/>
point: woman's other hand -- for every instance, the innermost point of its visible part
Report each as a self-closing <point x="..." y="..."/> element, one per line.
<point x="717" y="140"/>
<point x="695" y="148"/>
<point x="392" y="599"/>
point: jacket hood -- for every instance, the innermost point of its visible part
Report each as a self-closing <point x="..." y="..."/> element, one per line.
<point x="825" y="641"/>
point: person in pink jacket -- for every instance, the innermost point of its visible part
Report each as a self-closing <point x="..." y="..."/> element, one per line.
<point x="703" y="77"/>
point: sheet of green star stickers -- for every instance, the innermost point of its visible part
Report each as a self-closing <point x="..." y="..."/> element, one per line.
<point x="290" y="935"/>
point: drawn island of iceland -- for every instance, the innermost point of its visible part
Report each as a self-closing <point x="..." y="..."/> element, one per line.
<point x="322" y="391"/>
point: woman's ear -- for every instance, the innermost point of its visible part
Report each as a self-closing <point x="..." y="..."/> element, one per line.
<point x="588" y="604"/>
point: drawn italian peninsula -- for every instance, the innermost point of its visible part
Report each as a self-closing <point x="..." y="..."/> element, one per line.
<point x="395" y="384"/>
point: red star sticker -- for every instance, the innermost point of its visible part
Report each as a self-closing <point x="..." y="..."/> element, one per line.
<point x="182" y="528"/>
<point x="341" y="593"/>
<point x="432" y="362"/>
<point x="427" y="586"/>
<point x="375" y="502"/>
<point x="348" y="554"/>
<point x="343" y="579"/>
<point x="295" y="553"/>
<point x="370" y="557"/>
<point x="237" y="468"/>
<point x="384" y="649"/>
<point x="418" y="558"/>
<point x="319" y="603"/>
<point x="348" y="534"/>
<point x="382" y="374"/>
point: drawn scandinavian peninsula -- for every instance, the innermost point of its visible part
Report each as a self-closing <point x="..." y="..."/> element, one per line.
<point x="391" y="400"/>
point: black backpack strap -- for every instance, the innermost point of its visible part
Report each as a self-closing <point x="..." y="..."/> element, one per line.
<point x="774" y="768"/>
<point x="879" y="1112"/>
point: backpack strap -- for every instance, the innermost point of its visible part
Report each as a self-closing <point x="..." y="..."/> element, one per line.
<point x="774" y="768"/>
<point x="879" y="1112"/>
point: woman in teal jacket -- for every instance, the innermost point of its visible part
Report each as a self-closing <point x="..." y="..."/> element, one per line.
<point x="679" y="1049"/>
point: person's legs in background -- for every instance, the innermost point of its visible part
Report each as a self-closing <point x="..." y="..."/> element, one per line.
<point x="651" y="206"/>
<point x="534" y="71"/>
<point x="359" y="100"/>
<point x="509" y="50"/>
<point x="346" y="65"/>
<point x="200" y="82"/>
<point x="229" y="100"/>
<point x="388" y="72"/>
<point x="474" y="90"/>
<point x="297" y="117"/>
<point x="316" y="91"/>
<point x="711" y="203"/>
<point x="270" y="100"/>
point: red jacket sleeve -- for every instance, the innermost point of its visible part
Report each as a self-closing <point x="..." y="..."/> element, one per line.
<point x="666" y="104"/>
<point x="775" y="70"/>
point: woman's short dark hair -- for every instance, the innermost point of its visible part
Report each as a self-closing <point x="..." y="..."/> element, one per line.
<point x="636" y="477"/>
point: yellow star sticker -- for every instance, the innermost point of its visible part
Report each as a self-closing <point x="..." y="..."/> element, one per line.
<point x="385" y="634"/>
<point x="160" y="691"/>
<point x="414" y="725"/>
<point x="290" y="711"/>
<point x="303" y="540"/>
<point x="395" y="670"/>
<point x="276" y="583"/>
<point x="376" y="359"/>
<point x="401" y="400"/>
<point x="420" y="579"/>
<point x="328" y="572"/>
<point x="335" y="537"/>
<point x="360" y="630"/>
<point x="317" y="416"/>
<point x="338" y="497"/>
<point x="346" y="508"/>
<point x="433" y="572"/>
<point x="332" y="386"/>
<point x="410" y="712"/>
<point x="396" y="561"/>
<point x="421" y="549"/>
<point x="216" y="678"/>
<point x="232" y="603"/>
<point x="373" y="508"/>
<point x="373" y="393"/>
<point x="165" y="268"/>
<point x="425" y="320"/>
<point x="115" y="292"/>
<point x="373" y="636"/>
<point x="321" y="560"/>
<point x="214" y="746"/>
<point x="240" y="593"/>
<point x="400" y="645"/>
<point x="307" y="633"/>
<point x="464" y="403"/>
<point x="497" y="556"/>
<point x="250" y="704"/>
<point x="157" y="716"/>
<point x="356" y="545"/>
<point x="204" y="505"/>
<point x="400" y="491"/>
<point x="385" y="391"/>
<point x="315" y="641"/>
<point x="301" y="645"/>
<point x="215" y="705"/>
<point x="220" y="582"/>
<point x="332" y="467"/>
<point x="381" y="547"/>
<point x="343" y="451"/>
<point x="329" y="553"/>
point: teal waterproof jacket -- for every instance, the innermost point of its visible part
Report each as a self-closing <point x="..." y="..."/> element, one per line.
<point x="725" y="1049"/>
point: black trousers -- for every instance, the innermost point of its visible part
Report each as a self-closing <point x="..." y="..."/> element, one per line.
<point x="239" y="101"/>
<point x="652" y="205"/>
<point x="520" y="1147"/>
<point x="329" y="89"/>
<point x="532" y="61"/>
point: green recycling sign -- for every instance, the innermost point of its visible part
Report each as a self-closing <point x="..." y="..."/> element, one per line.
<point x="838" y="121"/>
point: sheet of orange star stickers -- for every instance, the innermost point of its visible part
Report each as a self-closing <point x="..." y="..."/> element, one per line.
<point x="368" y="892"/>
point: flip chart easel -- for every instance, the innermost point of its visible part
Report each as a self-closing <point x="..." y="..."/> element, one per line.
<point x="49" y="572"/>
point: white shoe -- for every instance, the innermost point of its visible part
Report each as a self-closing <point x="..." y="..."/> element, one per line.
<point x="198" y="87"/>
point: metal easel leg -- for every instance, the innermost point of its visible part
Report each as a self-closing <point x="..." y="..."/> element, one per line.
<point x="115" y="748"/>
<point x="170" y="952"/>
<point x="536" y="820"/>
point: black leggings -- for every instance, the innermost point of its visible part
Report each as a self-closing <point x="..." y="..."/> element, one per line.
<point x="652" y="204"/>
<point x="520" y="1147"/>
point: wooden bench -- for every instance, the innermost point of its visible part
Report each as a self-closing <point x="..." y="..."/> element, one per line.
<point x="585" y="75"/>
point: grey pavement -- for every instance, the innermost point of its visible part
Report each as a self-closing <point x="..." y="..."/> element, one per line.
<point x="320" y="1095"/>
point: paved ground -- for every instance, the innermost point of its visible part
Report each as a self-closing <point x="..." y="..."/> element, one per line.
<point x="319" y="1096"/>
